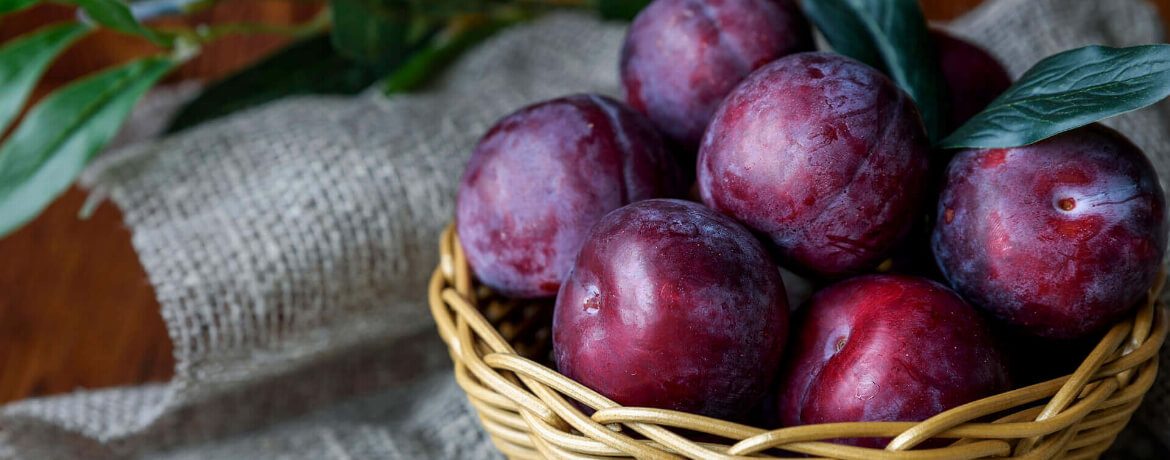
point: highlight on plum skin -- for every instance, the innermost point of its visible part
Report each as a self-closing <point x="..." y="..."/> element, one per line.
<point x="1059" y="238"/>
<point x="822" y="154"/>
<point x="886" y="348"/>
<point x="672" y="305"/>
<point x="543" y="175"/>
<point x="681" y="57"/>
<point x="974" y="79"/>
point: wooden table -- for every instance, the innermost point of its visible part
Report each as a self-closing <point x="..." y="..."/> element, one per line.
<point x="76" y="308"/>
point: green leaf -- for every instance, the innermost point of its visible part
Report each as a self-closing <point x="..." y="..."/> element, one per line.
<point x="620" y="9"/>
<point x="22" y="61"/>
<point x="371" y="30"/>
<point x="442" y="49"/>
<point x="61" y="134"/>
<point x="420" y="28"/>
<point x="446" y="8"/>
<point x="892" y="36"/>
<point x="311" y="66"/>
<point x="116" y="15"/>
<point x="8" y="6"/>
<point x="1066" y="91"/>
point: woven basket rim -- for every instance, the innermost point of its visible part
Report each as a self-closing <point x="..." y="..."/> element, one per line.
<point x="525" y="406"/>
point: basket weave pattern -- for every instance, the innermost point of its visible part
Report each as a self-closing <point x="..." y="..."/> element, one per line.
<point x="525" y="406"/>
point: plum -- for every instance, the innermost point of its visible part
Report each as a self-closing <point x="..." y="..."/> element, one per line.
<point x="886" y="348"/>
<point x="1058" y="238"/>
<point x="543" y="175"/>
<point x="823" y="155"/>
<point x="681" y="57"/>
<point x="974" y="77"/>
<point x="672" y="305"/>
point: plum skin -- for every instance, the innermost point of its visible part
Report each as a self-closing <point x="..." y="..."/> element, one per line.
<point x="681" y="57"/>
<point x="675" y="306"/>
<point x="824" y="155"/>
<point x="886" y="348"/>
<point x="974" y="77"/>
<point x="1058" y="238"/>
<point x="543" y="175"/>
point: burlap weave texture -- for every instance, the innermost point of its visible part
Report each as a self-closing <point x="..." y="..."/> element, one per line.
<point x="290" y="245"/>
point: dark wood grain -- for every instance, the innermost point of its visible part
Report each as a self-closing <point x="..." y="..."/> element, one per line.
<point x="76" y="308"/>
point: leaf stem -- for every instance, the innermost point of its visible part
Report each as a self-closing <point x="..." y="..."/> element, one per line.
<point x="460" y="33"/>
<point x="207" y="33"/>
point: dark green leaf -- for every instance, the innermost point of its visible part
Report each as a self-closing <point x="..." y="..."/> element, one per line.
<point x="843" y="25"/>
<point x="446" y="8"/>
<point x="620" y="9"/>
<point x="1066" y="91"/>
<point x="892" y="36"/>
<point x="22" y="61"/>
<point x="61" y="134"/>
<point x="311" y="66"/>
<point x="371" y="30"/>
<point x="443" y="48"/>
<point x="8" y="6"/>
<point x="116" y="15"/>
<point x="420" y="28"/>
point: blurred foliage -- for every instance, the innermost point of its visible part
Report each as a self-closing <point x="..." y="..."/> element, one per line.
<point x="370" y="31"/>
<point x="620" y="9"/>
<point x="22" y="61"/>
<point x="348" y="47"/>
<point x="443" y="48"/>
<point x="116" y="15"/>
<point x="7" y="6"/>
<point x="63" y="132"/>
<point x="309" y="66"/>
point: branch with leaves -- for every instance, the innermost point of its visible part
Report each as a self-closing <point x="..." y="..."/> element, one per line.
<point x="404" y="42"/>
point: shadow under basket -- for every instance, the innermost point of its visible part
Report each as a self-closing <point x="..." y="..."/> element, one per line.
<point x="498" y="345"/>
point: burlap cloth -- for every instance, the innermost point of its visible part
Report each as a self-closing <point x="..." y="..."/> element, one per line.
<point x="290" y="245"/>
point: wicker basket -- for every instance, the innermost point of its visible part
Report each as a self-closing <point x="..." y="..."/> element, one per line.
<point x="525" y="406"/>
